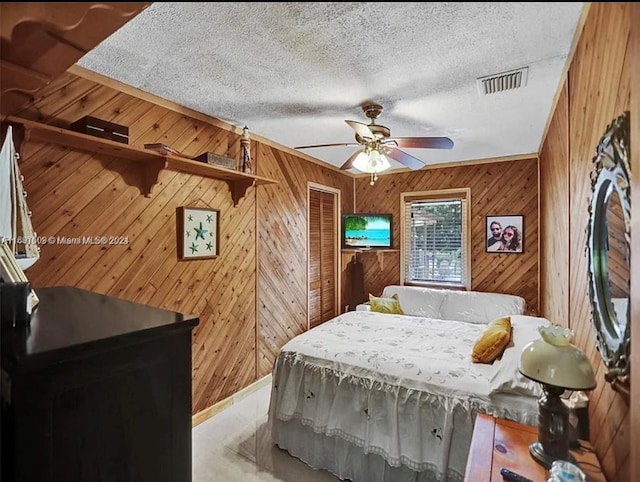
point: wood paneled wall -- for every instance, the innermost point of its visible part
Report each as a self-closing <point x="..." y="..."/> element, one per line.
<point x="74" y="193"/>
<point x="597" y="91"/>
<point x="500" y="188"/>
<point x="554" y="216"/>
<point x="282" y="246"/>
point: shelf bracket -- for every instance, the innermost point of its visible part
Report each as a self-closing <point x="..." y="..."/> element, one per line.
<point x="238" y="189"/>
<point x="150" y="176"/>
<point x="380" y="256"/>
<point x="20" y="136"/>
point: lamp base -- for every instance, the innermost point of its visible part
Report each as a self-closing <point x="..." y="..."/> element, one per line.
<point x="537" y="452"/>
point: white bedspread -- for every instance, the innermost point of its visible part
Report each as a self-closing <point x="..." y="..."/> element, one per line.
<point x="403" y="387"/>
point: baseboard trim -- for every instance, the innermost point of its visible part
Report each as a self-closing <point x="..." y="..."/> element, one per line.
<point x="209" y="412"/>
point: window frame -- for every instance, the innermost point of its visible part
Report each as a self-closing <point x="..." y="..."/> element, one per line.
<point x="458" y="194"/>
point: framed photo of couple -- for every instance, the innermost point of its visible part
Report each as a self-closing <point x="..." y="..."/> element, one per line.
<point x="505" y="234"/>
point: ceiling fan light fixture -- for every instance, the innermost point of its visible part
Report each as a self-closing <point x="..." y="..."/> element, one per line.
<point x="371" y="162"/>
<point x="375" y="137"/>
<point x="383" y="163"/>
<point x="361" y="161"/>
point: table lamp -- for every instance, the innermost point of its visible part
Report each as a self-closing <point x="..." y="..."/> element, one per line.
<point x="558" y="366"/>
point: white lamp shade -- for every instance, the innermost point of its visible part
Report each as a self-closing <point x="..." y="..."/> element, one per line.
<point x="361" y="161"/>
<point x="371" y="162"/>
<point x="384" y="163"/>
<point x="563" y="366"/>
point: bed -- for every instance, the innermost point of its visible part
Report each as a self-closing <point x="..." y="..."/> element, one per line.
<point x="376" y="397"/>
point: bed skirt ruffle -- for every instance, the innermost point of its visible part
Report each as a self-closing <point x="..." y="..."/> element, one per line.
<point x="345" y="459"/>
<point x="347" y="423"/>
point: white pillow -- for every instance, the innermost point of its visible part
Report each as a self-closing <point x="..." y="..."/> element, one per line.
<point x="507" y="378"/>
<point x="480" y="307"/>
<point x="417" y="301"/>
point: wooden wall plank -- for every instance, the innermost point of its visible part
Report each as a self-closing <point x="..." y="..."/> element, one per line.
<point x="282" y="239"/>
<point x="555" y="256"/>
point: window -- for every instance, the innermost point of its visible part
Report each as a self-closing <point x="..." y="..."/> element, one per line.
<point x="435" y="244"/>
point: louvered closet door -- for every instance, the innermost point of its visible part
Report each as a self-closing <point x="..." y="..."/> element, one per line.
<point x="322" y="257"/>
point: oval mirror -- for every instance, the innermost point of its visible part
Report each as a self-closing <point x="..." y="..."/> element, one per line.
<point x="608" y="248"/>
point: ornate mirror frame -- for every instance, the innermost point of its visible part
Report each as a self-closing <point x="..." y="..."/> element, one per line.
<point x="610" y="179"/>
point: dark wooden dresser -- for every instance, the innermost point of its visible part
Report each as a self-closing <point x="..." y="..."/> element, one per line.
<point x="97" y="389"/>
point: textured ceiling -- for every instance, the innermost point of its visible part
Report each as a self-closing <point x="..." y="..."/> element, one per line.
<point x="294" y="72"/>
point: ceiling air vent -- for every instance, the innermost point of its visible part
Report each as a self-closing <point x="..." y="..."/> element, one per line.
<point x="511" y="80"/>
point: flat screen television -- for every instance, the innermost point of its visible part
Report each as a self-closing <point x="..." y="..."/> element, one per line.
<point x="367" y="230"/>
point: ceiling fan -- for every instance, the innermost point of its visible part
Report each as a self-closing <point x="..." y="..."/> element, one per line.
<point x="377" y="144"/>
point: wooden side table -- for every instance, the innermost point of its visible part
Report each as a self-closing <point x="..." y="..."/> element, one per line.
<point x="498" y="443"/>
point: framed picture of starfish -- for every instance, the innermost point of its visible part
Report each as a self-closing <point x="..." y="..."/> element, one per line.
<point x="198" y="232"/>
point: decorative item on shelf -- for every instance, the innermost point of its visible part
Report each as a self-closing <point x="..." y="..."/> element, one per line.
<point x="216" y="160"/>
<point x="505" y="234"/>
<point x="245" y="148"/>
<point x="101" y="128"/>
<point x="198" y="232"/>
<point x="163" y="149"/>
<point x="557" y="365"/>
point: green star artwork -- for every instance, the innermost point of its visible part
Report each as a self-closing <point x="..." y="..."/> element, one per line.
<point x="198" y="232"/>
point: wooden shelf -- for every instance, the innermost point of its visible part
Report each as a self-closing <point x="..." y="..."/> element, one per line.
<point x="238" y="181"/>
<point x="379" y="253"/>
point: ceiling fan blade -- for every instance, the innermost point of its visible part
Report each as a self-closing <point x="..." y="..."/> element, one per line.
<point x="349" y="162"/>
<point x="422" y="142"/>
<point x="361" y="129"/>
<point x="403" y="158"/>
<point x="340" y="144"/>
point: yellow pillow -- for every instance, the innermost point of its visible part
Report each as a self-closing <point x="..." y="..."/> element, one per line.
<point x="493" y="341"/>
<point x="386" y="305"/>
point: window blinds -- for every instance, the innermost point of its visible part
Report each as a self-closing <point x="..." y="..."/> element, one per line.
<point x="436" y="239"/>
